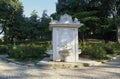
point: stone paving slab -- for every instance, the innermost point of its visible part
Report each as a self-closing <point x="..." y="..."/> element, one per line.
<point x="46" y="63"/>
<point x="81" y="63"/>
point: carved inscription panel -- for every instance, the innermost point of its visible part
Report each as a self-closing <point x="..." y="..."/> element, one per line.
<point x="66" y="39"/>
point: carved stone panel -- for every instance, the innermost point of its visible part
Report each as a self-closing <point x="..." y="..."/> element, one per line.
<point x="66" y="39"/>
<point x="63" y="38"/>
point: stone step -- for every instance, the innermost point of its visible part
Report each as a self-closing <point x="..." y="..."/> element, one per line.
<point x="46" y="63"/>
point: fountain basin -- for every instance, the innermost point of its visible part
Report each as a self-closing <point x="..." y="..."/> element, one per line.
<point x="64" y="54"/>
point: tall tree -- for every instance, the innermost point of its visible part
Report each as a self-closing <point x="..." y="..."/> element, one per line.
<point x="93" y="13"/>
<point x="35" y="23"/>
<point x="85" y="10"/>
<point x="44" y="27"/>
<point x="11" y="17"/>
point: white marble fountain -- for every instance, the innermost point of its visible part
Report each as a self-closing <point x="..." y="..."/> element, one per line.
<point x="64" y="39"/>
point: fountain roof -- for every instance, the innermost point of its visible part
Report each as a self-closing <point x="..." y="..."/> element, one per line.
<point x="65" y="21"/>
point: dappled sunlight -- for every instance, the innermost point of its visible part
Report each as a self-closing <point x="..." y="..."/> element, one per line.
<point x="14" y="71"/>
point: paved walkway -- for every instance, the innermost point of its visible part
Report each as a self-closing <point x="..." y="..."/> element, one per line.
<point x="110" y="70"/>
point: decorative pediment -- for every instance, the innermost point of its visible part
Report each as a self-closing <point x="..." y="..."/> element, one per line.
<point x="65" y="19"/>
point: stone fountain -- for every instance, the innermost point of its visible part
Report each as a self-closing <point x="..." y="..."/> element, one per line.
<point x="64" y="39"/>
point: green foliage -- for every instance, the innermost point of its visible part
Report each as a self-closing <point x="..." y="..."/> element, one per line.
<point x="4" y="49"/>
<point x="86" y="50"/>
<point x="23" y="52"/>
<point x="98" y="52"/>
<point x="112" y="48"/>
<point x="99" y="49"/>
<point x="84" y="14"/>
<point x="36" y="28"/>
<point x="26" y="50"/>
<point x="94" y="14"/>
<point x="94" y="50"/>
<point x="91" y="19"/>
<point x="11" y="12"/>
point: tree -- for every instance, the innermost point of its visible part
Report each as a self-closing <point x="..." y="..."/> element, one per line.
<point x="84" y="10"/>
<point x="93" y="13"/>
<point x="44" y="27"/>
<point x="35" y="23"/>
<point x="36" y="28"/>
<point x="111" y="8"/>
<point x="11" y="17"/>
<point x="44" y="14"/>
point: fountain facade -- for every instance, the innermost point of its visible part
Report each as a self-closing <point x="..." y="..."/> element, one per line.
<point x="64" y="39"/>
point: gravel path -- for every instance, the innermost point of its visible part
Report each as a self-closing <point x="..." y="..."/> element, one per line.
<point x="110" y="70"/>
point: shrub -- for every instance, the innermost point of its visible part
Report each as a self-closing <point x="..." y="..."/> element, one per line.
<point x="94" y="50"/>
<point x="22" y="52"/>
<point x="86" y="49"/>
<point x="98" y="52"/>
<point x="3" y="49"/>
<point x="112" y="48"/>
